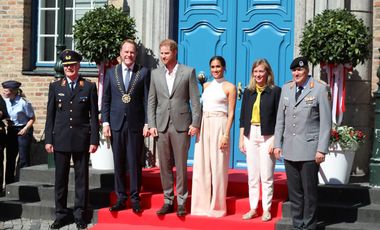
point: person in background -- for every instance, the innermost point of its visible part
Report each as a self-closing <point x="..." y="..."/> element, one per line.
<point x="125" y="122"/>
<point x="3" y="116"/>
<point x="212" y="148"/>
<point x="19" y="131"/>
<point x="257" y="123"/>
<point x="71" y="131"/>
<point x="174" y="115"/>
<point x="302" y="136"/>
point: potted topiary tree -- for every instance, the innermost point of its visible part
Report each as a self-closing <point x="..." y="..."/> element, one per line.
<point x="97" y="35"/>
<point x="338" y="41"/>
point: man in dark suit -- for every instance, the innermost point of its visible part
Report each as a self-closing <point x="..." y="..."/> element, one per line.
<point x="302" y="135"/>
<point x="174" y="114"/>
<point x="124" y="117"/>
<point x="71" y="130"/>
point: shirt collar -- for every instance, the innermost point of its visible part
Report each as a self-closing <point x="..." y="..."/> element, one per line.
<point x="126" y="67"/>
<point x="174" y="69"/>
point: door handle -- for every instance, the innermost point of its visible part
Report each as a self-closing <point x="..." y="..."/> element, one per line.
<point x="239" y="90"/>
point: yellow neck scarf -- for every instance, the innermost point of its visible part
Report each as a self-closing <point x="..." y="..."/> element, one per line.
<point x="256" y="106"/>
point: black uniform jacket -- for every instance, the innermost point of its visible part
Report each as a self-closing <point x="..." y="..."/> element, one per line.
<point x="72" y="117"/>
<point x="270" y="98"/>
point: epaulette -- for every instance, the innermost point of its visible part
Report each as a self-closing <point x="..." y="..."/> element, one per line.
<point x="322" y="82"/>
<point x="291" y="83"/>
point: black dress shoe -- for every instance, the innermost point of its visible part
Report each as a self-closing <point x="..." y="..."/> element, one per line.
<point x="165" y="209"/>
<point x="181" y="210"/>
<point x="57" y="224"/>
<point x="136" y="208"/>
<point x="81" y="224"/>
<point x="120" y="205"/>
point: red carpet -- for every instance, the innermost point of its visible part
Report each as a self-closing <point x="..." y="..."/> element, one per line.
<point x="152" y="200"/>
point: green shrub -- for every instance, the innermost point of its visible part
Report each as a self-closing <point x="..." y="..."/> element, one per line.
<point x="100" y="31"/>
<point x="336" y="36"/>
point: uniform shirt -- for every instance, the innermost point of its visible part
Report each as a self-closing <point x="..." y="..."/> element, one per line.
<point x="20" y="110"/>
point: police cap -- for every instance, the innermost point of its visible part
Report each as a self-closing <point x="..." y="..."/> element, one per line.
<point x="299" y="62"/>
<point x="11" y="84"/>
<point x="70" y="57"/>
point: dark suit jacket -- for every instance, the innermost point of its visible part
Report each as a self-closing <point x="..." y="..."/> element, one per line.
<point x="72" y="122"/>
<point x="114" y="110"/>
<point x="4" y="115"/>
<point x="270" y="98"/>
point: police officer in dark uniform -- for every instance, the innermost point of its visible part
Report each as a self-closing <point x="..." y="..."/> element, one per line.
<point x="72" y="131"/>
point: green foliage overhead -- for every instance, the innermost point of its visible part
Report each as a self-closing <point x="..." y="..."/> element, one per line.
<point x="99" y="33"/>
<point x="336" y="36"/>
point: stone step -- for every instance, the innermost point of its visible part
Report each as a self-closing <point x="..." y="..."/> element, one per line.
<point x="43" y="174"/>
<point x="34" y="192"/>
<point x="342" y="212"/>
<point x="286" y="224"/>
<point x="15" y="209"/>
<point x="349" y="193"/>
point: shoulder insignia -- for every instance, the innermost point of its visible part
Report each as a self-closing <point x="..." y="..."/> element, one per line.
<point x="311" y="84"/>
<point x="322" y="82"/>
<point x="63" y="82"/>
<point x="291" y="84"/>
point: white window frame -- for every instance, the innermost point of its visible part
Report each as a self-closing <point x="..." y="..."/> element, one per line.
<point x="40" y="52"/>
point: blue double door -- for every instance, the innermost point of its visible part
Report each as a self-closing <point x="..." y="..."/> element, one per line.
<point x="241" y="31"/>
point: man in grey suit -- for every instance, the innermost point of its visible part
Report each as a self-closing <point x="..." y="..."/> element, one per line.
<point x="174" y="114"/>
<point x="302" y="136"/>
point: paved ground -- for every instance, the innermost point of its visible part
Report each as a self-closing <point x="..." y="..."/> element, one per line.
<point x="32" y="224"/>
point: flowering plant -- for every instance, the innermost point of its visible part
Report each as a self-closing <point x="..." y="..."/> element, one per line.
<point x="346" y="136"/>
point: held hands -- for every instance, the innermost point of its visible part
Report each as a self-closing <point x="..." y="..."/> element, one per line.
<point x="319" y="157"/>
<point x="153" y="132"/>
<point x="146" y="132"/>
<point x="193" y="131"/>
<point x="277" y="153"/>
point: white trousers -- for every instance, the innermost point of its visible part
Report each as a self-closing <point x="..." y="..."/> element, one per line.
<point x="210" y="169"/>
<point x="260" y="167"/>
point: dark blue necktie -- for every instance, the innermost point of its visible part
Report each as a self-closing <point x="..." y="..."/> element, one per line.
<point x="299" y="91"/>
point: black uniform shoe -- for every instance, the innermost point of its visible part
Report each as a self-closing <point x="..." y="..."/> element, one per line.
<point x="136" y="208"/>
<point x="57" y="224"/>
<point x="165" y="209"/>
<point x="81" y="224"/>
<point x="181" y="210"/>
<point x="120" y="205"/>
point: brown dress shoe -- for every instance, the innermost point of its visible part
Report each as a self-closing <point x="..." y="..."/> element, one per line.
<point x="181" y="210"/>
<point x="165" y="209"/>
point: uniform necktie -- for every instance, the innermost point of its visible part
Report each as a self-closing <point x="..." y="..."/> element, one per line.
<point x="72" y="86"/>
<point x="299" y="91"/>
<point x="126" y="79"/>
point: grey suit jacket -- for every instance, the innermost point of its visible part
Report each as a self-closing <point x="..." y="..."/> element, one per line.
<point x="182" y="106"/>
<point x="303" y="126"/>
